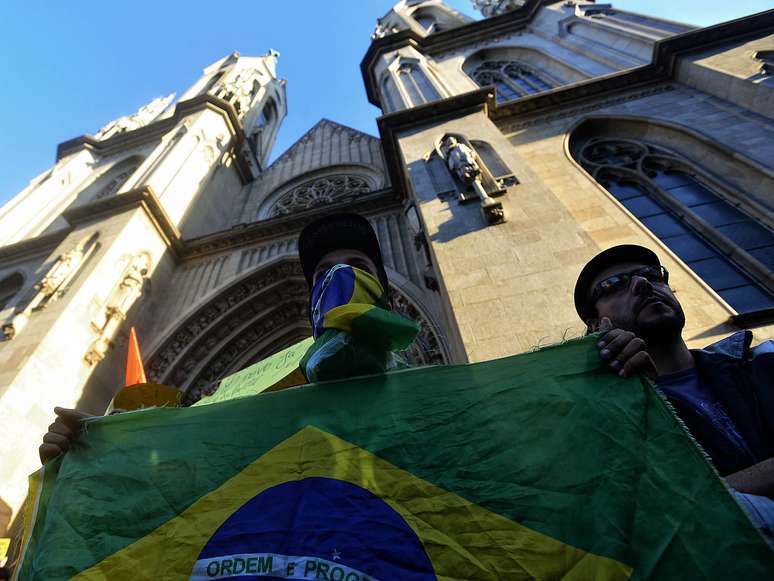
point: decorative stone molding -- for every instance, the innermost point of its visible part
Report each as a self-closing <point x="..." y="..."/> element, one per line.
<point x="291" y="317"/>
<point x="174" y="359"/>
<point x="459" y="37"/>
<point x="427" y="348"/>
<point x="383" y="29"/>
<point x="319" y="192"/>
<point x="576" y="111"/>
<point x="144" y="198"/>
<point x="53" y="285"/>
<point x="493" y="42"/>
<point x="34" y="246"/>
<point x="121" y="299"/>
<point x="120" y="142"/>
<point x="282" y="320"/>
<point x="115" y="184"/>
<point x="766" y="58"/>
<point x="245" y="234"/>
<point x="143" y="117"/>
<point x="495" y="7"/>
<point x="240" y="89"/>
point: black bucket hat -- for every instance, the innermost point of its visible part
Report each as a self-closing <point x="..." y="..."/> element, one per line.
<point x="605" y="259"/>
<point x="334" y="232"/>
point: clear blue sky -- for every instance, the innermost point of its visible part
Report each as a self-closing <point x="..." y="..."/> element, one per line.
<point x="69" y="67"/>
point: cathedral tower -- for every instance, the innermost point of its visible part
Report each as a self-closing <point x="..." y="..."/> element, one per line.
<point x="100" y="232"/>
<point x="526" y="142"/>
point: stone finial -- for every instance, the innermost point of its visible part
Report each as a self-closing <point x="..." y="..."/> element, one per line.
<point x="144" y="116"/>
<point x="383" y="28"/>
<point x="496" y="7"/>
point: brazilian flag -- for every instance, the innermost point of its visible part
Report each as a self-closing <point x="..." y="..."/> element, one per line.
<point x="538" y="466"/>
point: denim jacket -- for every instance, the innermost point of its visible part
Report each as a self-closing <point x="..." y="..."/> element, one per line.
<point x="741" y="377"/>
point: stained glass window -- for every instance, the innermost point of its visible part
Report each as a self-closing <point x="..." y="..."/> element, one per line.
<point x="690" y="217"/>
<point x="511" y="79"/>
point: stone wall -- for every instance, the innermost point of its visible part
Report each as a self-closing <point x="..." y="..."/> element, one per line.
<point x="510" y="286"/>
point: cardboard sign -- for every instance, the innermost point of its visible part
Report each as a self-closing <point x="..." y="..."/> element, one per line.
<point x="273" y="373"/>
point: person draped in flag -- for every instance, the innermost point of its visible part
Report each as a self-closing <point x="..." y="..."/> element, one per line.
<point x="355" y="331"/>
<point x="723" y="393"/>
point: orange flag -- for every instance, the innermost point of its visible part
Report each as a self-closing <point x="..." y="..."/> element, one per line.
<point x="135" y="373"/>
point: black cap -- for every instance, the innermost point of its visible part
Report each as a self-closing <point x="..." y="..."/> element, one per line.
<point x="333" y="233"/>
<point x="602" y="261"/>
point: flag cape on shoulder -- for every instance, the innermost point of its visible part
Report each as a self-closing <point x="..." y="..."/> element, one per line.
<point x="538" y="466"/>
<point x="355" y="332"/>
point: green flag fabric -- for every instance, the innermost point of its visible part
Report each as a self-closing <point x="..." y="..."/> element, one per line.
<point x="538" y="466"/>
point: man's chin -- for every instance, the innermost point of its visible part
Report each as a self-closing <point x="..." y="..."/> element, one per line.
<point x="658" y="320"/>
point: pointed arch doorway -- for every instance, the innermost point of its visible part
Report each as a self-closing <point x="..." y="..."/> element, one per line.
<point x="253" y="317"/>
<point x="257" y="315"/>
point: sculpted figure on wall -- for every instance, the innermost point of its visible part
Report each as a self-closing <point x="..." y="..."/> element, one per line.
<point x="126" y="292"/>
<point x="461" y="159"/>
<point x="471" y="174"/>
<point x="53" y="285"/>
<point x="144" y="116"/>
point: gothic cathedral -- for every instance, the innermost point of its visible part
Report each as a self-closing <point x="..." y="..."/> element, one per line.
<point x="590" y="127"/>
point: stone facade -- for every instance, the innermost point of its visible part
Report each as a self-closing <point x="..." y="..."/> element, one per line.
<point x="172" y="220"/>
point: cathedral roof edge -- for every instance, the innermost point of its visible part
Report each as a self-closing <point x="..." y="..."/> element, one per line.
<point x="307" y="135"/>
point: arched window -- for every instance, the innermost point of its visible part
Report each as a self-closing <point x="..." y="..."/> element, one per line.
<point x="389" y="94"/>
<point x="116" y="182"/>
<point x="415" y="83"/>
<point x="511" y="79"/>
<point x="110" y="181"/>
<point x="9" y="286"/>
<point x="267" y="115"/>
<point x="319" y="192"/>
<point x="427" y="22"/>
<point x="728" y="248"/>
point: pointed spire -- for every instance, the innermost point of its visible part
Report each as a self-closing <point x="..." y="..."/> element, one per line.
<point x="270" y="58"/>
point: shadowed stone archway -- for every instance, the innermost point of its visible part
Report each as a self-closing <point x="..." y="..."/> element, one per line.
<point x="259" y="314"/>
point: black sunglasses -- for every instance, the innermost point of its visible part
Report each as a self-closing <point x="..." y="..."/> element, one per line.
<point x="618" y="282"/>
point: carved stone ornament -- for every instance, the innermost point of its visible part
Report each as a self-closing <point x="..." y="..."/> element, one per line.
<point x="461" y="160"/>
<point x="143" y="117"/>
<point x="426" y="348"/>
<point x="240" y="90"/>
<point x="496" y="7"/>
<point x="383" y="29"/>
<point x="320" y="192"/>
<point x="52" y="286"/>
<point x="473" y="177"/>
<point x="173" y="361"/>
<point x="124" y="295"/>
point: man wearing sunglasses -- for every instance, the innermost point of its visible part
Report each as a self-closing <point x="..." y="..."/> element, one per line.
<point x="724" y="393"/>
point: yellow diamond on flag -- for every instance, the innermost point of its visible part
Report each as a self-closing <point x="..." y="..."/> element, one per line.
<point x="318" y="507"/>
